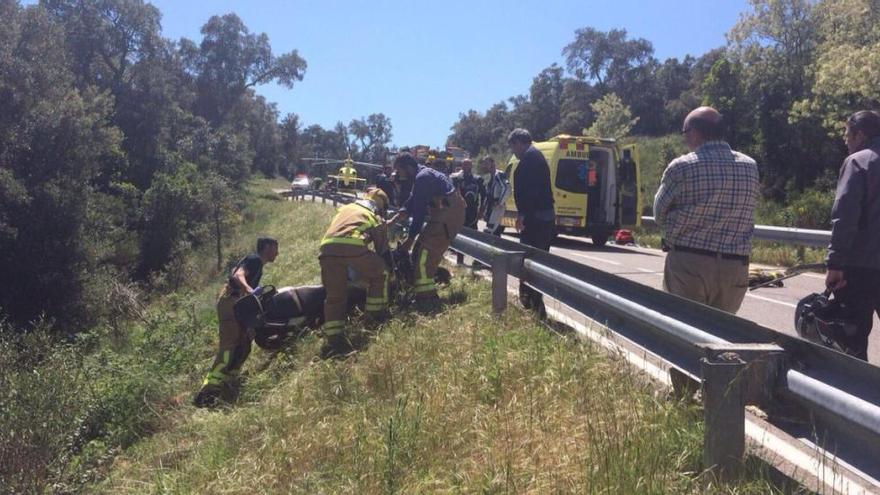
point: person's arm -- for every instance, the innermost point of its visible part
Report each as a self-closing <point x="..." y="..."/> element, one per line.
<point x="417" y="205"/>
<point x="844" y="220"/>
<point x="665" y="197"/>
<point x="523" y="190"/>
<point x="379" y="236"/>
<point x="239" y="279"/>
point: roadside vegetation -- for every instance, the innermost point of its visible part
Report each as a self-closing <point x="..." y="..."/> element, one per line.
<point x="462" y="401"/>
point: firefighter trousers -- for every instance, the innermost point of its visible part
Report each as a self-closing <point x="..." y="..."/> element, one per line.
<point x="444" y="223"/>
<point x="235" y="344"/>
<point x="335" y="260"/>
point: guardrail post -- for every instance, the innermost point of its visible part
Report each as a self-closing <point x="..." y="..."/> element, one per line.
<point x="334" y="199"/>
<point x="459" y="258"/>
<point x="502" y="264"/>
<point x="723" y="413"/>
<point x="499" y="282"/>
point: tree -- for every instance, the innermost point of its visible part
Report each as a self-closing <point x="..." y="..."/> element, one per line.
<point x="605" y="58"/>
<point x="847" y="68"/>
<point x="371" y="136"/>
<point x="230" y="60"/>
<point x="290" y="142"/>
<point x="613" y="118"/>
<point x="545" y="101"/>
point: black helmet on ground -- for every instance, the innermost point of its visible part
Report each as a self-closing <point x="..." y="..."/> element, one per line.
<point x="822" y="319"/>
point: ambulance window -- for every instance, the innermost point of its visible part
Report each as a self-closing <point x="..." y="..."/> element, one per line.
<point x="571" y="175"/>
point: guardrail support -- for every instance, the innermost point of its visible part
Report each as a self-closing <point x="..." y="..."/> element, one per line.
<point x="723" y="413"/>
<point x="502" y="263"/>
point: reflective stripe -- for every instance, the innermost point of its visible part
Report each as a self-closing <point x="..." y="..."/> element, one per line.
<point x="423" y="279"/>
<point x="425" y="288"/>
<point x="354" y="241"/>
<point x="216" y="375"/>
<point x="332" y="328"/>
<point x="375" y="300"/>
<point x="356" y="238"/>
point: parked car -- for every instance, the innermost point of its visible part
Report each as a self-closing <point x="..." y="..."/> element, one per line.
<point x="300" y="183"/>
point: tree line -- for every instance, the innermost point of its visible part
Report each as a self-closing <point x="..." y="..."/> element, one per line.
<point x="791" y="71"/>
<point x="122" y="152"/>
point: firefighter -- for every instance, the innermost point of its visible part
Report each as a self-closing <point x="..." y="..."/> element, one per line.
<point x="437" y="204"/>
<point x="344" y="247"/>
<point x="235" y="341"/>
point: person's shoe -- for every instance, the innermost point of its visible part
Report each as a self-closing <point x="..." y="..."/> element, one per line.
<point x="208" y="397"/>
<point x="429" y="305"/>
<point x="375" y="319"/>
<point x="336" y="347"/>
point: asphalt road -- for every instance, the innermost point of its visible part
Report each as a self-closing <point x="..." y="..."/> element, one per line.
<point x="771" y="307"/>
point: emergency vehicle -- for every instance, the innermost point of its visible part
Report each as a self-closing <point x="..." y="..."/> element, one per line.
<point x="595" y="182"/>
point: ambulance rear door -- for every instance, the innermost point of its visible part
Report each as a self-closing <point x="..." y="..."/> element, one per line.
<point x="629" y="187"/>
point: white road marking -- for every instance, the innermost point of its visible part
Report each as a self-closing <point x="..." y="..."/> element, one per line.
<point x="762" y="298"/>
<point x="594" y="258"/>
<point x="647" y="270"/>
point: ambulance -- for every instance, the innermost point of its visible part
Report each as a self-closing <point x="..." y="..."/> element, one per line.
<point x="596" y="186"/>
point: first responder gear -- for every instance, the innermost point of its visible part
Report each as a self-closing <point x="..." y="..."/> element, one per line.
<point x="344" y="247"/>
<point x="823" y="319"/>
<point x="445" y="219"/>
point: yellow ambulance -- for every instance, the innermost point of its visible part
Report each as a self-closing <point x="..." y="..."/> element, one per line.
<point x="596" y="186"/>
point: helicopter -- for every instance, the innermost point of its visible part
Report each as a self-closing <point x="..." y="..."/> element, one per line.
<point x="346" y="178"/>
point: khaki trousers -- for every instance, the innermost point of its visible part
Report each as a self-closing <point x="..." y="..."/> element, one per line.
<point x="335" y="260"/>
<point x="235" y="343"/>
<point x="713" y="281"/>
<point x="444" y="223"/>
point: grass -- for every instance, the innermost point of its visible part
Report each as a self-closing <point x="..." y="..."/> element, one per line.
<point x="464" y="401"/>
<point x="769" y="253"/>
<point x="102" y="391"/>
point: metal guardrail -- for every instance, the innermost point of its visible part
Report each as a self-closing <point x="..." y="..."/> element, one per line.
<point x="840" y="394"/>
<point x="787" y="235"/>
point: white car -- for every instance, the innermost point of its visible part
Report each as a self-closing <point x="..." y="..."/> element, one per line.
<point x="300" y="183"/>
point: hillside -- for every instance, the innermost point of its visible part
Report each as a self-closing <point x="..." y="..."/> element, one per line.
<point x="464" y="401"/>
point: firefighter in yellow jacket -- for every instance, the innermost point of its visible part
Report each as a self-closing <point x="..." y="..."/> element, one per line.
<point x="344" y="247"/>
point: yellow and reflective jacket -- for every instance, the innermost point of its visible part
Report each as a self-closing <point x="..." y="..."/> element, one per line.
<point x="351" y="224"/>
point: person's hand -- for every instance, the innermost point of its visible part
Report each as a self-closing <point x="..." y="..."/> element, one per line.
<point x="834" y="280"/>
<point x="519" y="224"/>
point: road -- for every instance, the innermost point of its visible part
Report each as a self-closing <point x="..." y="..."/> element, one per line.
<point x="771" y="307"/>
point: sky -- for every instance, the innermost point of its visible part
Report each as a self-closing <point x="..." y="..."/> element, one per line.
<point x="424" y="63"/>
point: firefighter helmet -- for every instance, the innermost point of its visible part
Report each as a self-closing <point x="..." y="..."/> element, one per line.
<point x="379" y="198"/>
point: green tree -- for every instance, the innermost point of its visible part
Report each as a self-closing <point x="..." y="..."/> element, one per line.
<point x="847" y="68"/>
<point x="613" y="118"/>
<point x="230" y="60"/>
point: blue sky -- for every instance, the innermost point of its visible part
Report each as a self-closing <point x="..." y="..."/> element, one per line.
<point x="423" y="63"/>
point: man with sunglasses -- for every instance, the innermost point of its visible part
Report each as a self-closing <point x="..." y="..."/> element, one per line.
<point x="706" y="206"/>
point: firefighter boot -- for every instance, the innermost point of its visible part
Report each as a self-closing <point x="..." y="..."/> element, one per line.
<point x="428" y="304"/>
<point x="208" y="397"/>
<point x="336" y="347"/>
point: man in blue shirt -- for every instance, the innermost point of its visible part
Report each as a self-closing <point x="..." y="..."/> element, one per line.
<point x="436" y="204"/>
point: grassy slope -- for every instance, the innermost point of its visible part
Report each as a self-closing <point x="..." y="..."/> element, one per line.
<point x="463" y="401"/>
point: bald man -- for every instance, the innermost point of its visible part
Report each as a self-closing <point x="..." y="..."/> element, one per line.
<point x="706" y="207"/>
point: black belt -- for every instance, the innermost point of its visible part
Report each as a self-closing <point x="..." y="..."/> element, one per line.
<point x="714" y="254"/>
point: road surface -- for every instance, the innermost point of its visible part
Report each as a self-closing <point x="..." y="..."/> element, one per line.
<point x="771" y="307"/>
